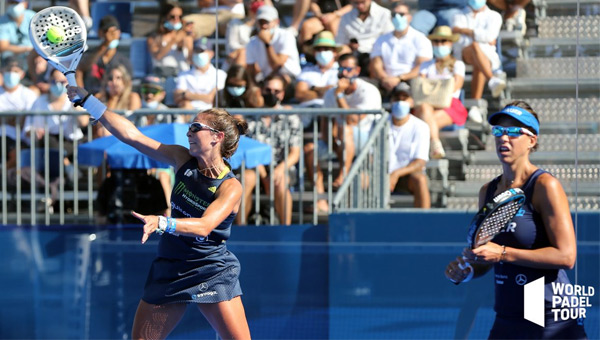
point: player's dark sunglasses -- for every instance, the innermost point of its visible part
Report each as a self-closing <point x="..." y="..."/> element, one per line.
<point x="195" y="127"/>
<point x="150" y="90"/>
<point x="511" y="131"/>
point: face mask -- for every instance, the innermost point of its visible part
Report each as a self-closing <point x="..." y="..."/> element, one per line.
<point x="57" y="89"/>
<point x="11" y="79"/>
<point x="441" y="51"/>
<point x="15" y="11"/>
<point x="476" y="4"/>
<point x="150" y="105"/>
<point x="172" y="27"/>
<point x="236" y="91"/>
<point x="270" y="99"/>
<point x="113" y="44"/>
<point x="200" y="59"/>
<point x="324" y="57"/>
<point x="400" y="23"/>
<point x="400" y="109"/>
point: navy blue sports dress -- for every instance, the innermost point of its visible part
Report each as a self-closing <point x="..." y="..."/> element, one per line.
<point x="194" y="269"/>
<point x="526" y="231"/>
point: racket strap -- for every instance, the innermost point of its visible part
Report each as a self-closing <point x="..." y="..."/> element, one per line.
<point x="93" y="106"/>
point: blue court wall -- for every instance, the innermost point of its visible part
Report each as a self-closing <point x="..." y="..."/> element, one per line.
<point x="375" y="275"/>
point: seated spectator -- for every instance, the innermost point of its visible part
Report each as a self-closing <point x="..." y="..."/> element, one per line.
<point x="272" y="50"/>
<point x="13" y="95"/>
<point x="408" y="147"/>
<point x="351" y="92"/>
<point x="97" y="61"/>
<point x="514" y="13"/>
<point x="366" y="22"/>
<point x="196" y="88"/>
<point x="171" y="44"/>
<point x="315" y="80"/>
<point x="398" y="55"/>
<point x="238" y="34"/>
<point x="38" y="73"/>
<point x="56" y="100"/>
<point x="433" y="13"/>
<point x="288" y="132"/>
<point x="240" y="91"/>
<point x="152" y="94"/>
<point x="444" y="66"/>
<point x="326" y="16"/>
<point x="205" y="24"/>
<point x="117" y="93"/>
<point x="479" y="28"/>
<point x="14" y="32"/>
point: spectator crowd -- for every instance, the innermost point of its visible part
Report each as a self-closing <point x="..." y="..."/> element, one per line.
<point x="358" y="54"/>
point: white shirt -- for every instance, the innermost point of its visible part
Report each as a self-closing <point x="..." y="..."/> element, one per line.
<point x="429" y="70"/>
<point x="71" y="128"/>
<point x="314" y="76"/>
<point x="366" y="97"/>
<point x="283" y="42"/>
<point x="485" y="25"/>
<point x="175" y="58"/>
<point x="366" y="32"/>
<point x="20" y="99"/>
<point x="237" y="35"/>
<point x="197" y="82"/>
<point x="399" y="55"/>
<point x="408" y="142"/>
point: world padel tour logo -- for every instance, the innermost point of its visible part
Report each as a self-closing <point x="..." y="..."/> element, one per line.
<point x="569" y="302"/>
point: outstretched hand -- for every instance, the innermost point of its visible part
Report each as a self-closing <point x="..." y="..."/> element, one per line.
<point x="76" y="92"/>
<point x="150" y="224"/>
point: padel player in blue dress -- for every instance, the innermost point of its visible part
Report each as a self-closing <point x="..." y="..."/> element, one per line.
<point x="539" y="242"/>
<point x="193" y="264"/>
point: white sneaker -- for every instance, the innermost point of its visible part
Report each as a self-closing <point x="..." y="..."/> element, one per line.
<point x="517" y="22"/>
<point x="496" y="85"/>
<point x="437" y="150"/>
<point x="475" y="115"/>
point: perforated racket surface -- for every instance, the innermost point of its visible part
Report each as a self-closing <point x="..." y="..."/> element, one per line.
<point x="495" y="216"/>
<point x="66" y="54"/>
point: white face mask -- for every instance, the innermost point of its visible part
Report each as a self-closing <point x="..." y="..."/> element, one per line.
<point x="400" y="109"/>
<point x="150" y="105"/>
<point x="324" y="57"/>
<point x="200" y="59"/>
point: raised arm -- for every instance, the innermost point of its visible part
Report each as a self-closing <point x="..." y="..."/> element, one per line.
<point x="128" y="133"/>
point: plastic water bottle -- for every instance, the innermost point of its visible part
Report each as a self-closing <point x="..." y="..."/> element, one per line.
<point x="302" y="60"/>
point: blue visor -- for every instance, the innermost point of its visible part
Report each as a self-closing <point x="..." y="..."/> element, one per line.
<point x="520" y="115"/>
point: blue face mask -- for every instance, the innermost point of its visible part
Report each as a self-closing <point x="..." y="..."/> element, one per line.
<point x="15" y="11"/>
<point x="476" y="4"/>
<point x="236" y="91"/>
<point x="113" y="44"/>
<point x="441" y="51"/>
<point x="400" y="109"/>
<point x="324" y="57"/>
<point x="172" y="27"/>
<point x="200" y="59"/>
<point x="400" y="22"/>
<point x="57" y="89"/>
<point x="11" y="79"/>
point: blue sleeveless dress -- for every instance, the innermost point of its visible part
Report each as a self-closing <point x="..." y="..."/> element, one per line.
<point x="194" y="269"/>
<point x="526" y="231"/>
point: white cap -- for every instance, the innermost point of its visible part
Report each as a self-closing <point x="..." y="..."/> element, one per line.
<point x="268" y="13"/>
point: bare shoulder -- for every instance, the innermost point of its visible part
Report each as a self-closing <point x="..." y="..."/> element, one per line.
<point x="230" y="189"/>
<point x="547" y="183"/>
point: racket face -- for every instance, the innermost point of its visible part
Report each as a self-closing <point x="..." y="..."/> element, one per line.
<point x="494" y="218"/>
<point x="75" y="33"/>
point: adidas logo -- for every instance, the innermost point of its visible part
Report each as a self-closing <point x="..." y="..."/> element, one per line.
<point x="188" y="173"/>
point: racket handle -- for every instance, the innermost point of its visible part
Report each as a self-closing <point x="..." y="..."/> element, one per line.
<point x="72" y="82"/>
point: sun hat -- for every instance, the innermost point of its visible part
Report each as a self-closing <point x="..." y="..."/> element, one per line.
<point x="324" y="39"/>
<point x="443" y="32"/>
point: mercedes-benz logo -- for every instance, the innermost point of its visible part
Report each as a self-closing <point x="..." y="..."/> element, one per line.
<point x="203" y="286"/>
<point x="521" y="279"/>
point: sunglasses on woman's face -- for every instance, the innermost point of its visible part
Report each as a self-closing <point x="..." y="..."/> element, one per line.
<point x="195" y="127"/>
<point x="511" y="131"/>
<point x="439" y="41"/>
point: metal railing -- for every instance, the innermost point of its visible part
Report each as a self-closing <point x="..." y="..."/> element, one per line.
<point x="74" y="201"/>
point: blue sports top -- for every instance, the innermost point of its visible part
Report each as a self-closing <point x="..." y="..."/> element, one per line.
<point x="526" y="231"/>
<point x="191" y="195"/>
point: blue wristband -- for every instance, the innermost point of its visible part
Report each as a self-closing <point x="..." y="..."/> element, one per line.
<point x="171" y="225"/>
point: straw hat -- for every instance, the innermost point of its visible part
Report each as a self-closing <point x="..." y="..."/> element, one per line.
<point x="324" y="39"/>
<point x="443" y="32"/>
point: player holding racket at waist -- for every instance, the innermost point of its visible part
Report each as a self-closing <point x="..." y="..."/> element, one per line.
<point x="540" y="240"/>
<point x="193" y="263"/>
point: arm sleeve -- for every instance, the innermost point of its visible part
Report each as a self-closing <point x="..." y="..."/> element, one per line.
<point x="376" y="51"/>
<point x="459" y="68"/>
<point x="181" y="83"/>
<point x="424" y="48"/>
<point x="371" y="98"/>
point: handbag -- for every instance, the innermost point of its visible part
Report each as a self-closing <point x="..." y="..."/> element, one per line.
<point x="435" y="92"/>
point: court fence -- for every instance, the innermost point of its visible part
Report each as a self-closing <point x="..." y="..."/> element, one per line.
<point x="44" y="183"/>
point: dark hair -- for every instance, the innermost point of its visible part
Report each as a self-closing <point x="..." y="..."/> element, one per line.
<point x="348" y="56"/>
<point x="237" y="71"/>
<point x="396" y="4"/>
<point x="232" y="127"/>
<point x="165" y="9"/>
<point x="525" y="106"/>
<point x="275" y="76"/>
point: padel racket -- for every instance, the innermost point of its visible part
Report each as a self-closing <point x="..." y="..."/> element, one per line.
<point x="493" y="218"/>
<point x="65" y="54"/>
